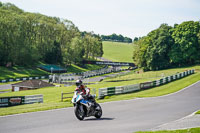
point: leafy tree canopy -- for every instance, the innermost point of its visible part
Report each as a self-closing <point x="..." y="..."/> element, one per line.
<point x="27" y="38"/>
<point x="169" y="46"/>
<point x="116" y="38"/>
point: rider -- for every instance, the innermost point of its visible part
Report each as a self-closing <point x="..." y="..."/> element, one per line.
<point x="85" y="91"/>
<point x="81" y="88"/>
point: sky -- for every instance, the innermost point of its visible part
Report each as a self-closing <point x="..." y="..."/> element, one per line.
<point x="131" y="18"/>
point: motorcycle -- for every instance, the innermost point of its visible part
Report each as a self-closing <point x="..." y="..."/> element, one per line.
<point x="85" y="108"/>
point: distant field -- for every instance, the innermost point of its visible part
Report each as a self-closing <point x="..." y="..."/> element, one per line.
<point x="117" y="51"/>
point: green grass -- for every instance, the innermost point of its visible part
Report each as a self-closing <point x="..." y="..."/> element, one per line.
<point x="87" y="67"/>
<point x="134" y="78"/>
<point x="6" y="90"/>
<point x="191" y="130"/>
<point x="198" y="112"/>
<point x="52" y="95"/>
<point x="19" y="72"/>
<point x="16" y="72"/>
<point x="119" y="52"/>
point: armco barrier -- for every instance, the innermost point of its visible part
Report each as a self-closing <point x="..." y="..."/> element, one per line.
<point x="131" y="88"/>
<point x="102" y="92"/>
<point x="111" y="91"/>
<point x="33" y="99"/>
<point x="23" y="78"/>
<point x="117" y="90"/>
<point x="19" y="100"/>
<point x="11" y="101"/>
<point x="146" y="85"/>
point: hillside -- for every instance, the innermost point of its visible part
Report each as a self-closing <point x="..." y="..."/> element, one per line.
<point x="117" y="51"/>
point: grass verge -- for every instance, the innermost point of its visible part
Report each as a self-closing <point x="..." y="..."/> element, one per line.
<point x="17" y="72"/>
<point x="198" y="112"/>
<point x="191" y="130"/>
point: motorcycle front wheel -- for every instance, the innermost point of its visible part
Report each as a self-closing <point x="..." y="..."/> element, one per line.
<point x="79" y="114"/>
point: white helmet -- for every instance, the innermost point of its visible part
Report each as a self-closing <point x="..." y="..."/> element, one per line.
<point x="78" y="83"/>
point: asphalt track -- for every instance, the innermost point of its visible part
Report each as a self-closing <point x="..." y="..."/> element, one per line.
<point x="118" y="117"/>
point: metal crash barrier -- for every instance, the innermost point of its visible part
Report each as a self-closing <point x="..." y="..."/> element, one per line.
<point x="136" y="87"/>
<point x="19" y="100"/>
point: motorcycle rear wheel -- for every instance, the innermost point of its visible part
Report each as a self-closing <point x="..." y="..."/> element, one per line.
<point x="99" y="112"/>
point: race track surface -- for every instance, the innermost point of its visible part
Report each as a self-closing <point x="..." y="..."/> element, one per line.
<point x="118" y="117"/>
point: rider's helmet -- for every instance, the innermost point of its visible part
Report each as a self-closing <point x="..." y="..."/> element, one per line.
<point x="78" y="83"/>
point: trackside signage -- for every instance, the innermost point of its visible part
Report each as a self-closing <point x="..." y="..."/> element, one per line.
<point x="11" y="101"/>
<point x="19" y="100"/>
<point x="130" y="88"/>
<point x="146" y="85"/>
<point x="15" y="101"/>
<point x="109" y="63"/>
<point x="4" y="102"/>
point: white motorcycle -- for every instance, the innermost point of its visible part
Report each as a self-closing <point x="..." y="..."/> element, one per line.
<point x="85" y="108"/>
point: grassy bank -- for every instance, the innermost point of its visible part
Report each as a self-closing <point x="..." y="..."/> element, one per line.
<point x="117" y="51"/>
<point x="17" y="71"/>
<point x="191" y="130"/>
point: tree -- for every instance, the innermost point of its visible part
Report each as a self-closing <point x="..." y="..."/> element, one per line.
<point x="27" y="38"/>
<point x="169" y="46"/>
<point x="116" y="38"/>
<point x="135" y="39"/>
<point x="152" y="51"/>
<point x="185" y="49"/>
<point x="139" y="52"/>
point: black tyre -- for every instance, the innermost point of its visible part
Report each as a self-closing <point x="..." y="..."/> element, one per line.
<point x="99" y="112"/>
<point x="79" y="114"/>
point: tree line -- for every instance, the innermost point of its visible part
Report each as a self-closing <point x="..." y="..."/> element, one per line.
<point x="28" y="38"/>
<point x="169" y="46"/>
<point x="116" y="38"/>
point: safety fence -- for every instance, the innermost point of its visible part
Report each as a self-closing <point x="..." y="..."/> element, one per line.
<point x="66" y="95"/>
<point x="19" y="100"/>
<point x="59" y="78"/>
<point x="74" y="76"/>
<point x="33" y="99"/>
<point x="24" y="78"/>
<point x="136" y="87"/>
